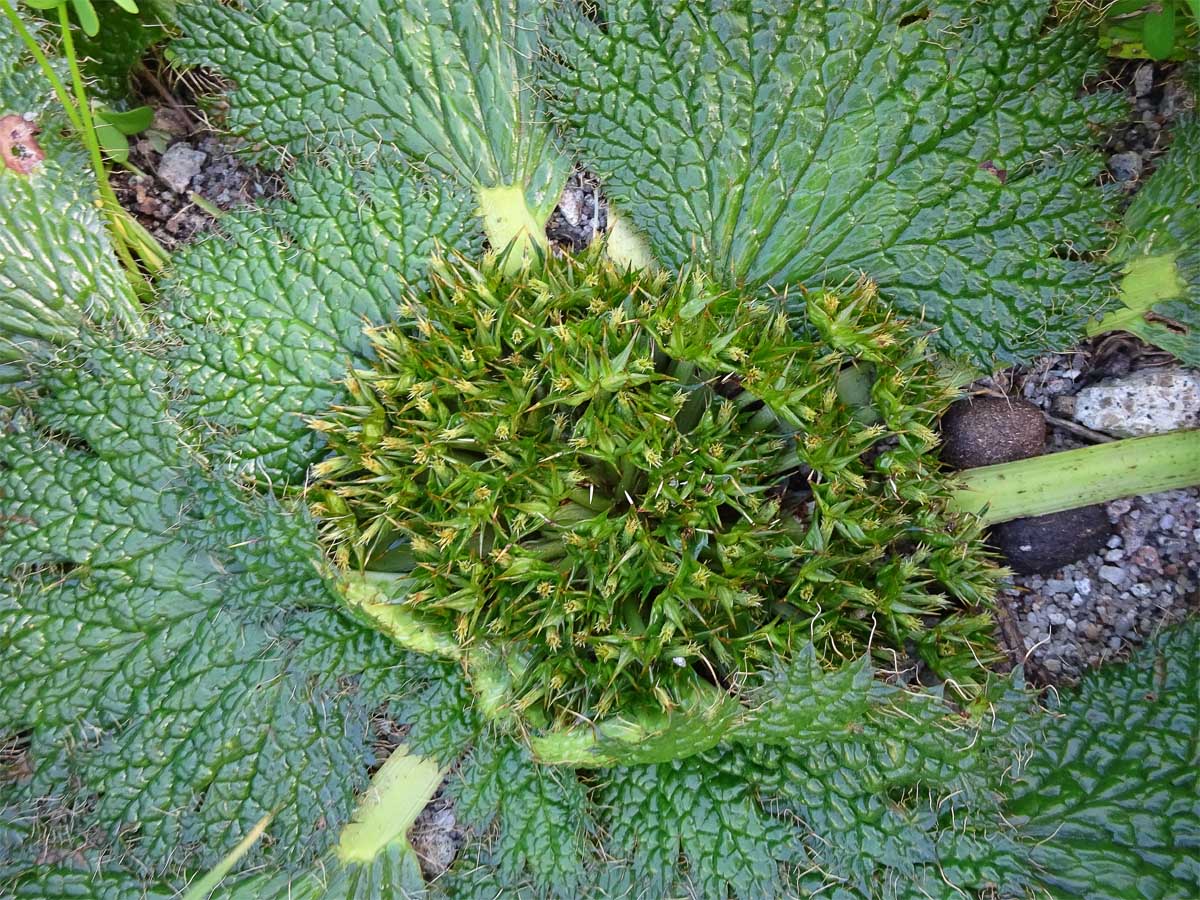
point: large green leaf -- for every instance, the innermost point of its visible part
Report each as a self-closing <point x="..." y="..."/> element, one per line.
<point x="156" y="629"/>
<point x="445" y="82"/>
<point x="933" y="146"/>
<point x="271" y="313"/>
<point x="1110" y="801"/>
<point x="703" y="812"/>
<point x="57" y="267"/>
<point x="541" y="814"/>
<point x="1162" y="288"/>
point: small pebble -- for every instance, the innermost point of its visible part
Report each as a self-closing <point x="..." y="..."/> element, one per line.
<point x="1113" y="574"/>
<point x="1167" y="522"/>
<point x="1126" y="167"/>
<point x="1114" y="555"/>
<point x="1143" y="79"/>
<point x="179" y="165"/>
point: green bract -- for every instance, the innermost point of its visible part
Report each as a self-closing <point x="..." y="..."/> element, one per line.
<point x="628" y="481"/>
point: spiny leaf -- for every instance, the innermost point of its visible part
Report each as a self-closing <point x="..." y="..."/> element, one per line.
<point x="149" y="615"/>
<point x="699" y="815"/>
<point x="57" y="268"/>
<point x="541" y="814"/>
<point x="1110" y="801"/>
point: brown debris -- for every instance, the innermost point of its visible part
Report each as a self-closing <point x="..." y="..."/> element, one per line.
<point x="18" y="148"/>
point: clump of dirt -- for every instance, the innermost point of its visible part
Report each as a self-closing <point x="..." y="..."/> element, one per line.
<point x="184" y="173"/>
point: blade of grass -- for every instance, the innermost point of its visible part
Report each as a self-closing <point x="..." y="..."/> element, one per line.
<point x="202" y="888"/>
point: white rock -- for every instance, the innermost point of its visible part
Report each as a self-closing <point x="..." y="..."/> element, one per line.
<point x="179" y="165"/>
<point x="571" y="206"/>
<point x="1148" y="402"/>
<point x="1113" y="575"/>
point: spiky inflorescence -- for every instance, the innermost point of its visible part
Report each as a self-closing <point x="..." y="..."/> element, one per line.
<point x="626" y="480"/>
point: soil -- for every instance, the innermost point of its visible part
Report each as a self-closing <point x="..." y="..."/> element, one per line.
<point x="175" y="211"/>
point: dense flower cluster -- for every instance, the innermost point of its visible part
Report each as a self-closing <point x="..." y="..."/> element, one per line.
<point x="631" y="482"/>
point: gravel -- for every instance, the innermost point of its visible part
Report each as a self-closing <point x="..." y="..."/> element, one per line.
<point x="581" y="215"/>
<point x="180" y="161"/>
<point x="1157" y="93"/>
<point x="1093" y="610"/>
<point x="1148" y="575"/>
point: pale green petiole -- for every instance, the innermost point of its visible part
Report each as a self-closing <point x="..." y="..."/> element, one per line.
<point x="509" y="223"/>
<point x="401" y="788"/>
<point x="1147" y="280"/>
<point x="1074" y="478"/>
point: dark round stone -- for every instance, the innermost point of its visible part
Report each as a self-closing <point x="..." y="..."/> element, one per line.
<point x="982" y="431"/>
<point x="1042" y="544"/>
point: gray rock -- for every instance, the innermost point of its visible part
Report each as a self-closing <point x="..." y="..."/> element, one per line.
<point x="1084" y="586"/>
<point x="1147" y="402"/>
<point x="1114" y="575"/>
<point x="1167" y="522"/>
<point x="1114" y="555"/>
<point x="571" y="205"/>
<point x="1126" y="167"/>
<point x="179" y="165"/>
<point x="1059" y="586"/>
<point x="1143" y="79"/>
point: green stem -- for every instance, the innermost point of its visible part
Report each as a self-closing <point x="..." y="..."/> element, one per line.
<point x="88" y="135"/>
<point x="60" y="89"/>
<point x="202" y="888"/>
<point x="1061" y="481"/>
<point x="207" y="205"/>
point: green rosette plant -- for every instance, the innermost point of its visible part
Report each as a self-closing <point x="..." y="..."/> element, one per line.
<point x="188" y="666"/>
